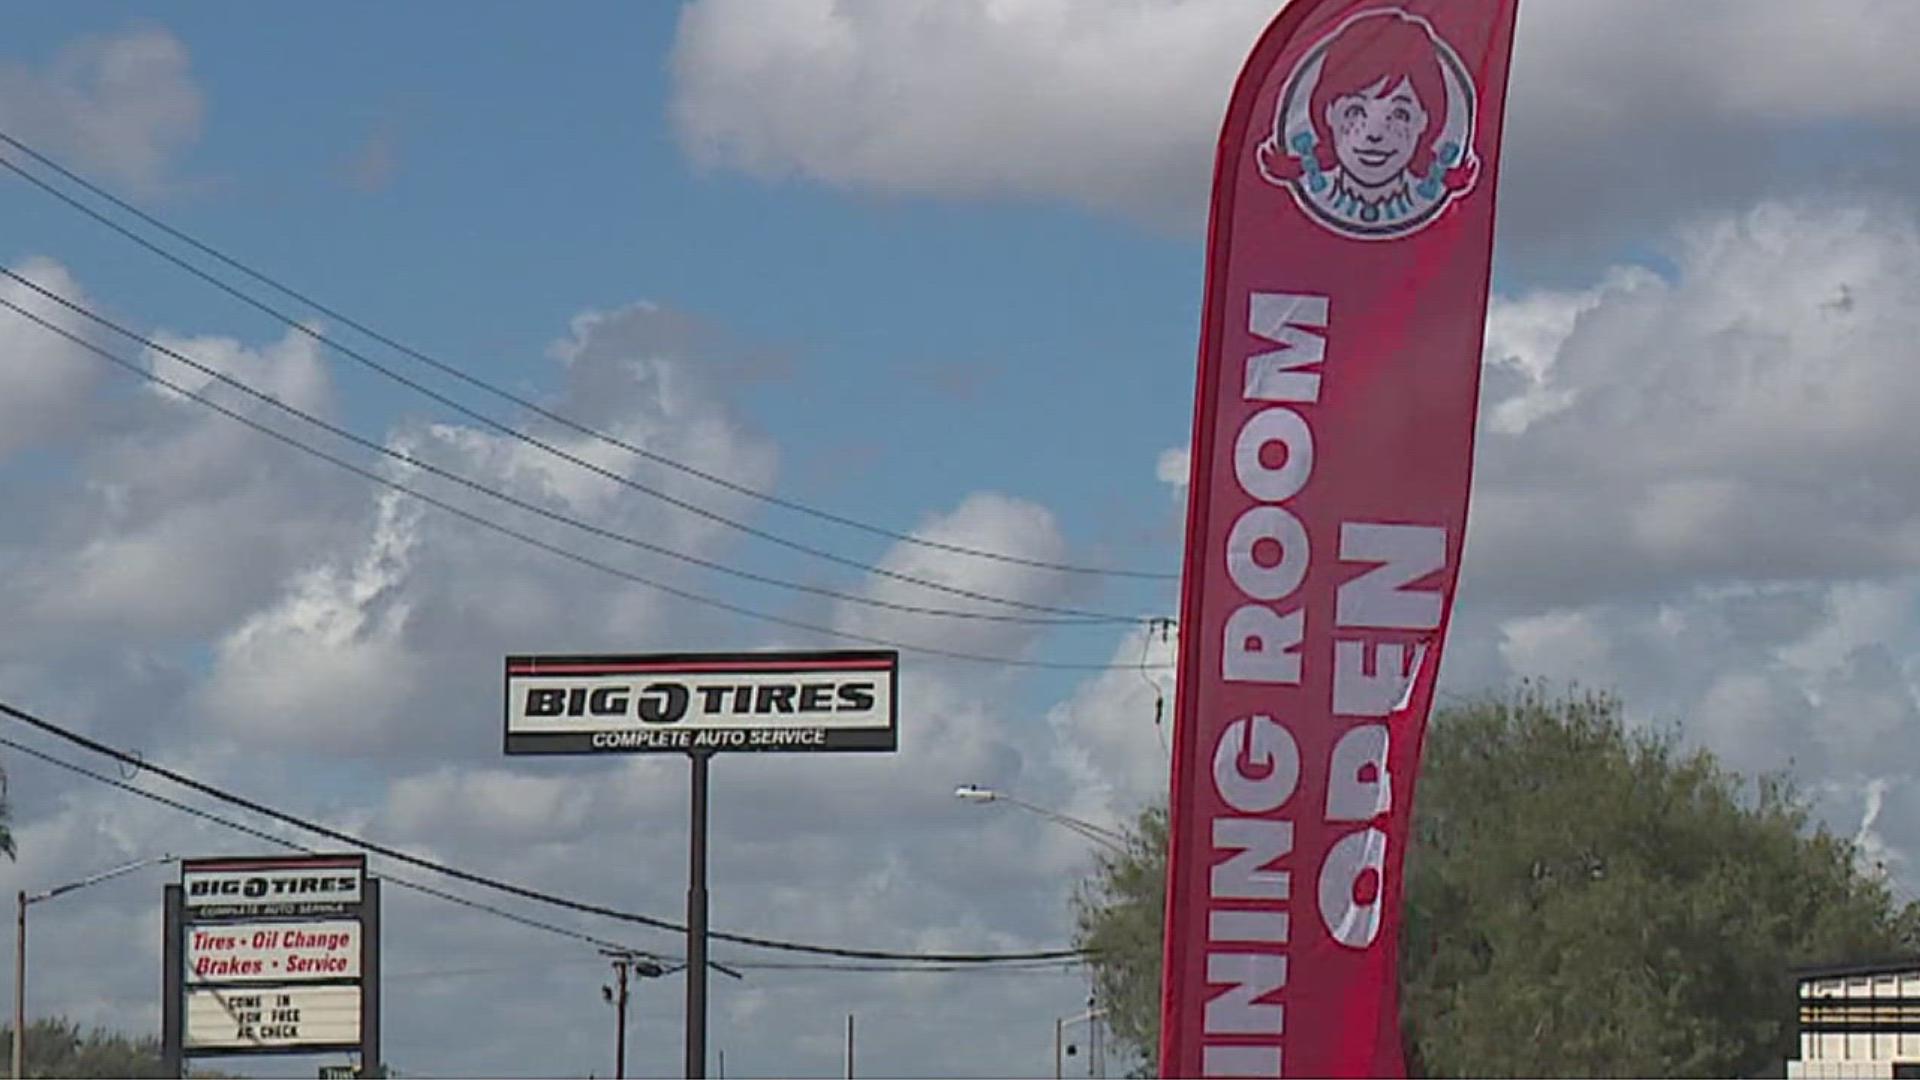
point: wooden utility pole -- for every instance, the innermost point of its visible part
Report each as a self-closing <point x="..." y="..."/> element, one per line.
<point x="620" y="1019"/>
<point x="20" y="988"/>
<point x="625" y="962"/>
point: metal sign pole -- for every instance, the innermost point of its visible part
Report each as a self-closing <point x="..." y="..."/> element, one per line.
<point x="697" y="704"/>
<point x="372" y="1059"/>
<point x="697" y="920"/>
<point x="173" y="977"/>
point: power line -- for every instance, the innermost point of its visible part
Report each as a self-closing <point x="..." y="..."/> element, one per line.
<point x="509" y="888"/>
<point x="1086" y="619"/>
<point x="261" y="834"/>
<point x="506" y="429"/>
<point x="516" y="969"/>
<point x="1043" y="967"/>
<point x="1015" y="967"/>
<point x="526" y="538"/>
<point x="503" y="394"/>
<point x="1074" y="616"/>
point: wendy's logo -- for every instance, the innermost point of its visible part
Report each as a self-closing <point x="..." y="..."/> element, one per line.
<point x="1373" y="132"/>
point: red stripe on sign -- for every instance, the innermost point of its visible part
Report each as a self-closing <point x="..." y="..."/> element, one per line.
<point x="675" y="666"/>
<point x="199" y="866"/>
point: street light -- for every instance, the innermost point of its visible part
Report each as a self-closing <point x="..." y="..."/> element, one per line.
<point x="1106" y="838"/>
<point x="20" y="951"/>
<point x="644" y="966"/>
<point x="1095" y="1054"/>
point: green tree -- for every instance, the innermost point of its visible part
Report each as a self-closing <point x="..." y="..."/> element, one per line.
<point x="1118" y="914"/>
<point x="58" y="1047"/>
<point x="1582" y="900"/>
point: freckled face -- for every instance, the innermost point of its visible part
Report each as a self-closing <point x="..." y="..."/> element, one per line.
<point x="1376" y="130"/>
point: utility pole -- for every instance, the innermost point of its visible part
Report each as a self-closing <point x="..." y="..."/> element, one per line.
<point x="20" y="948"/>
<point x="20" y="987"/>
<point x="849" y="1071"/>
<point x="1060" y="1048"/>
<point x="1059" y="1044"/>
<point x="620" y="1021"/>
<point x="642" y="966"/>
<point x="1096" y="1043"/>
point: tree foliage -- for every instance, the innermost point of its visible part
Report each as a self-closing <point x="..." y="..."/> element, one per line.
<point x="58" y="1047"/>
<point x="1117" y="913"/>
<point x="1582" y="900"/>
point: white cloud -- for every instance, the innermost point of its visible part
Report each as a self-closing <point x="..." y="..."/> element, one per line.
<point x="983" y="521"/>
<point x="1524" y="335"/>
<point x="365" y="631"/>
<point x="1694" y="488"/>
<point x="325" y="664"/>
<point x="1724" y="667"/>
<point x="497" y="803"/>
<point x="46" y="380"/>
<point x="1859" y="614"/>
<point x="1746" y="420"/>
<point x="1563" y="646"/>
<point x="1173" y="468"/>
<point x="1756" y="720"/>
<point x="1086" y="100"/>
<point x="124" y="104"/>
<point x="292" y="370"/>
<point x="646" y="376"/>
<point x="1114" y="737"/>
<point x="1837" y="59"/>
<point x="182" y="518"/>
<point x="1118" y="106"/>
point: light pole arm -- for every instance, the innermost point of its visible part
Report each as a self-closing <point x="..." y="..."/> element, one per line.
<point x="1091" y="1014"/>
<point x="1060" y="1026"/>
<point x="20" y="948"/>
<point x="1112" y="840"/>
<point x="59" y="890"/>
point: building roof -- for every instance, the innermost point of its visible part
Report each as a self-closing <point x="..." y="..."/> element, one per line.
<point x="1890" y="966"/>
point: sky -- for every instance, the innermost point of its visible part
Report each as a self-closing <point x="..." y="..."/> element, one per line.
<point x="934" y="266"/>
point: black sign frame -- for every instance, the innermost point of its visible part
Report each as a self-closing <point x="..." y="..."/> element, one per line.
<point x="179" y="920"/>
<point x="744" y="736"/>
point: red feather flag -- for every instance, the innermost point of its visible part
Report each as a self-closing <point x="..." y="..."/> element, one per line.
<point x="1347" y="275"/>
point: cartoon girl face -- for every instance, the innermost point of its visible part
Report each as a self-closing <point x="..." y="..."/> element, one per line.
<point x="1376" y="129"/>
<point x="1373" y="129"/>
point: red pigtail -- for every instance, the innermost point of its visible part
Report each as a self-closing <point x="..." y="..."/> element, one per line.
<point x="1461" y="176"/>
<point x="1276" y="164"/>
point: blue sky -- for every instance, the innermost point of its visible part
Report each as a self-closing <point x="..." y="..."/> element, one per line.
<point x="533" y="175"/>
<point x="934" y="264"/>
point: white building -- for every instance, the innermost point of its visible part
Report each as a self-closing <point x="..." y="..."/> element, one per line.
<point x="1859" y="1021"/>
